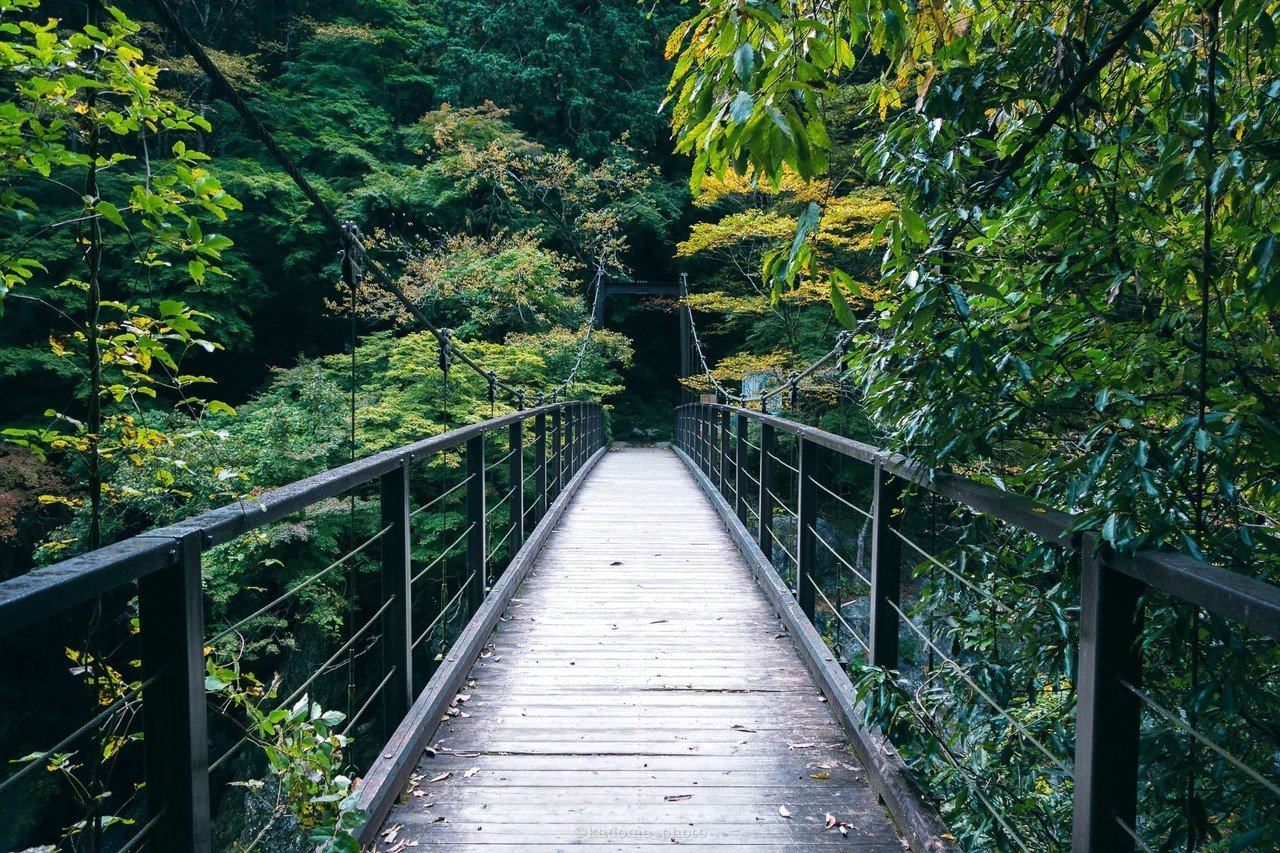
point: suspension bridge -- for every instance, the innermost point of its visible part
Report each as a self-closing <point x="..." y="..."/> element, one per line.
<point x="561" y="643"/>
<point x="648" y="646"/>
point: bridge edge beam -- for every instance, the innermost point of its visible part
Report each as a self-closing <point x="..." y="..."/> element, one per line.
<point x="386" y="779"/>
<point x="889" y="775"/>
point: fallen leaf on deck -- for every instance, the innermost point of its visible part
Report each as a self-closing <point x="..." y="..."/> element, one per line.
<point x="744" y="729"/>
<point x="823" y="775"/>
<point x="441" y="777"/>
<point x="832" y="823"/>
<point x="616" y="563"/>
<point x="390" y="835"/>
<point x="799" y="746"/>
<point x="784" y="811"/>
<point x="675" y="798"/>
<point x="657" y="621"/>
<point x="473" y="771"/>
<point x="462" y="697"/>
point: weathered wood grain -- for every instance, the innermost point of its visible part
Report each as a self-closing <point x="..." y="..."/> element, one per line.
<point x="639" y="690"/>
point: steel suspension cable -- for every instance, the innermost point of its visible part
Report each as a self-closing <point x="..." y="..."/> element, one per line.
<point x="842" y="341"/>
<point x="344" y="231"/>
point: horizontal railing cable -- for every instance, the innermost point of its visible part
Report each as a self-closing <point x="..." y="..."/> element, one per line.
<point x="500" y="543"/>
<point x="444" y="610"/>
<point x="503" y="458"/>
<point x="441" y="556"/>
<point x="442" y="496"/>
<point x="840" y="616"/>
<point x="1132" y="833"/>
<point x="779" y="503"/>
<point x="969" y="777"/>
<point x="987" y="596"/>
<point x="228" y="631"/>
<point x="141" y="834"/>
<point x="793" y="469"/>
<point x="368" y="702"/>
<point x="39" y="759"/>
<point x="489" y="510"/>
<point x="1190" y="730"/>
<point x="860" y="576"/>
<point x="995" y="706"/>
<point x="850" y="504"/>
<point x="351" y="641"/>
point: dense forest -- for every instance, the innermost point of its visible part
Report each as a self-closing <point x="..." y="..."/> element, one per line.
<point x="1041" y="240"/>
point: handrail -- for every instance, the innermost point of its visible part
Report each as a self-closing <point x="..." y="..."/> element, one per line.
<point x="42" y="592"/>
<point x="1249" y="601"/>
<point x="1113" y="586"/>
<point x="166" y="564"/>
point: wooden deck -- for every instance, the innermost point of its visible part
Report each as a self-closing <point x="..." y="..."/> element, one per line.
<point x="639" y="691"/>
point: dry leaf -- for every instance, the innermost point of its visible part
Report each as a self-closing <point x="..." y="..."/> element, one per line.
<point x="784" y="811"/>
<point x="390" y="835"/>
<point x="675" y="798"/>
<point x="462" y="697"/>
<point x="473" y="771"/>
<point x="823" y="775"/>
<point x="616" y="563"/>
<point x="800" y="746"/>
<point x="657" y="621"/>
<point x="831" y="821"/>
<point x="441" y="777"/>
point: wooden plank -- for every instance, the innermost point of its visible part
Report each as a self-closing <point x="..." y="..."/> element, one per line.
<point x="606" y="689"/>
<point x="889" y="773"/>
<point x="392" y="768"/>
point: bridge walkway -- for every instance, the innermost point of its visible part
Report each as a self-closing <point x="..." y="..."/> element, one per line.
<point x="639" y="690"/>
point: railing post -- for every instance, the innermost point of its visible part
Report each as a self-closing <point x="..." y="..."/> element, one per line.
<point x="1108" y="716"/>
<point x="569" y="443"/>
<point x="397" y="644"/>
<point x="725" y="458"/>
<point x="806" y="521"/>
<point x="540" y="465"/>
<point x="171" y="616"/>
<point x="708" y="441"/>
<point x="886" y="568"/>
<point x="579" y="435"/>
<point x="515" y="474"/>
<point x="766" y="499"/>
<point x="740" y="478"/>
<point x="557" y="450"/>
<point x="476" y="539"/>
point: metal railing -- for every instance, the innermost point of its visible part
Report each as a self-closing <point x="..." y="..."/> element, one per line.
<point x="163" y="568"/>
<point x="1114" y="589"/>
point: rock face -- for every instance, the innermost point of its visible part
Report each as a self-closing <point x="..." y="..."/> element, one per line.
<point x="267" y="826"/>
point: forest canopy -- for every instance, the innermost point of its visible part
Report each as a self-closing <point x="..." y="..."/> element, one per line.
<point x="1035" y="245"/>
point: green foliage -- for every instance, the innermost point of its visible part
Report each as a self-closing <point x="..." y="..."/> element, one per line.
<point x="1077" y="301"/>
<point x="304" y="751"/>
